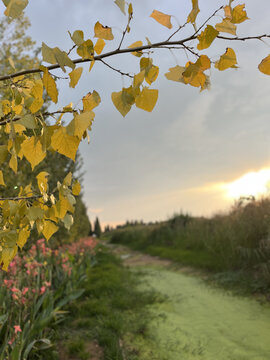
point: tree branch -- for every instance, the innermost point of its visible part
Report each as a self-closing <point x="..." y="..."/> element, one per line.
<point x="22" y="198"/>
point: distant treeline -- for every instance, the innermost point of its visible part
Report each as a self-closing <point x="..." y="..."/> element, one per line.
<point x="232" y="241"/>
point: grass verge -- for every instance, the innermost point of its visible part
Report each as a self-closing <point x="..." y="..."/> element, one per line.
<point x="110" y="310"/>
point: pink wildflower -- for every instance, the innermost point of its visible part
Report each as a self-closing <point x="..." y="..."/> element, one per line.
<point x="14" y="290"/>
<point x="17" y="329"/>
<point x="42" y="290"/>
<point x="25" y="290"/>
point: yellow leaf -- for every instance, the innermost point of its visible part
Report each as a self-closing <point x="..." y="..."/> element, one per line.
<point x="138" y="79"/>
<point x="15" y="8"/>
<point x="193" y="75"/>
<point x="152" y="74"/>
<point x="176" y="74"/>
<point x="75" y="76"/>
<point x="264" y="66"/>
<point x="135" y="45"/>
<point x="86" y="50"/>
<point x="103" y="32"/>
<point x="123" y="100"/>
<point x="49" y="84"/>
<point x="227" y="60"/>
<point x="7" y="255"/>
<point x="42" y="180"/>
<point x="80" y="123"/>
<point x="91" y="65"/>
<point x="228" y="12"/>
<point x="203" y="62"/>
<point x="68" y="179"/>
<point x="32" y="150"/>
<point x="3" y="153"/>
<point x="62" y="207"/>
<point x="206" y="37"/>
<point x="23" y="236"/>
<point x="36" y="105"/>
<point x="99" y="46"/>
<point x="147" y="99"/>
<point x="13" y="163"/>
<point x="226" y="26"/>
<point x="6" y="107"/>
<point x="239" y="14"/>
<point x="194" y="12"/>
<point x="2" y="182"/>
<point x="90" y="101"/>
<point x="77" y="37"/>
<point x="64" y="143"/>
<point x="49" y="228"/>
<point x="162" y="18"/>
<point x="121" y="5"/>
<point x="76" y="188"/>
<point x="56" y="56"/>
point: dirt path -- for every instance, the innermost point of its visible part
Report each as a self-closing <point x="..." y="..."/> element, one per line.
<point x="197" y="321"/>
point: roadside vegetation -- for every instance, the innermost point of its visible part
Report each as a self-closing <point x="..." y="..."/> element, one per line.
<point x="235" y="246"/>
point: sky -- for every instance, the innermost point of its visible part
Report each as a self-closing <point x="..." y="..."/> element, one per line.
<point x="195" y="152"/>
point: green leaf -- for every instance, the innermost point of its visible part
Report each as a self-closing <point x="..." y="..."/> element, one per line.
<point x="34" y="213"/>
<point x="206" y="37"/>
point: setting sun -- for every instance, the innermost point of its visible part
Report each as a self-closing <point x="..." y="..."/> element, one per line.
<point x="250" y="184"/>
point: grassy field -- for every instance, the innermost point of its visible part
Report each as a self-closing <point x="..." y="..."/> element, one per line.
<point x="235" y="243"/>
<point x="111" y="313"/>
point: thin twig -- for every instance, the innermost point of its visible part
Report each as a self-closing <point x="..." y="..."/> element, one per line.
<point x="259" y="37"/>
<point x="206" y="21"/>
<point x="119" y="71"/>
<point x="125" y="31"/>
<point x="176" y="31"/>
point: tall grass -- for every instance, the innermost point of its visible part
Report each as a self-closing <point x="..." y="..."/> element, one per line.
<point x="236" y="240"/>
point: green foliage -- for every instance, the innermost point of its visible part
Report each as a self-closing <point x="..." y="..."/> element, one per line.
<point x="97" y="228"/>
<point x="235" y="241"/>
<point x="111" y="308"/>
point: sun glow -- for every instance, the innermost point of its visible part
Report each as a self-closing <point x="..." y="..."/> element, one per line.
<point x="251" y="184"/>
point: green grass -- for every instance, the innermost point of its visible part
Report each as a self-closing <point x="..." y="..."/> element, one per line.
<point x="233" y="242"/>
<point x="111" y="309"/>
